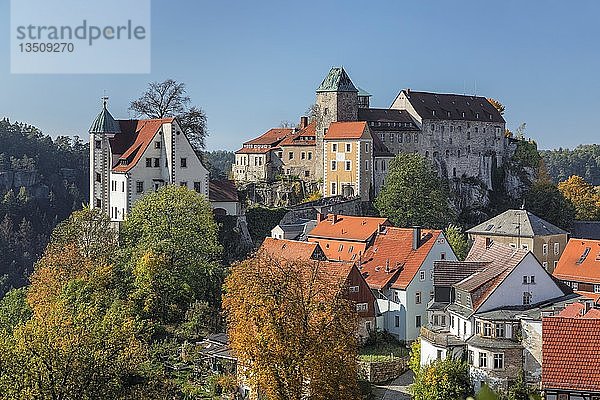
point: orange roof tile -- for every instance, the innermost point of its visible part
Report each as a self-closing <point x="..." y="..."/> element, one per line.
<point x="145" y="130"/>
<point x="271" y="137"/>
<point x="593" y="313"/>
<point x="393" y="248"/>
<point x="573" y="266"/>
<point x="340" y="250"/>
<point x="289" y="249"/>
<point x="570" y="353"/>
<point x="573" y="310"/>
<point x="299" y="138"/>
<point x="346" y="130"/>
<point x="345" y="227"/>
<point x="592" y="296"/>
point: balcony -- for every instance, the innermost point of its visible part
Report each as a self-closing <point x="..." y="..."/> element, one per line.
<point x="440" y="338"/>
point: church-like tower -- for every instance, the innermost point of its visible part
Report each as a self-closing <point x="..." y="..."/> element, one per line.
<point x="102" y="130"/>
<point x="337" y="100"/>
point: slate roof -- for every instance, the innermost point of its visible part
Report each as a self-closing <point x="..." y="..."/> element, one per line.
<point x="380" y="149"/>
<point x="580" y="262"/>
<point x="586" y="230"/>
<point x="385" y="115"/>
<point x="104" y="122"/>
<point x="444" y="106"/>
<point x="337" y="80"/>
<point x="507" y="224"/>
<point x="222" y="191"/>
<point x="570" y="353"/>
<point x="346" y="130"/>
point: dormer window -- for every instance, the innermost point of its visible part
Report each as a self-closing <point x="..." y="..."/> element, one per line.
<point x="157" y="145"/>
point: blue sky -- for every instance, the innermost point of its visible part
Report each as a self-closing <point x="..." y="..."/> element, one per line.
<point x="252" y="64"/>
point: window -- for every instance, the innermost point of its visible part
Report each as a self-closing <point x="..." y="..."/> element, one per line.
<point x="348" y="147"/>
<point x="333" y="165"/>
<point x="148" y="162"/>
<point x="416" y="138"/>
<point x="98" y="177"/>
<point x="400" y="137"/>
<point x="499" y="330"/>
<point x="303" y="155"/>
<point x="498" y="361"/>
<point x="452" y="321"/>
<point x="368" y="325"/>
<point x="470" y="357"/>
<point x="306" y="174"/>
<point x="477" y="328"/>
<point x="333" y="188"/>
<point x="334" y="147"/>
<point x="98" y="144"/>
<point x="422" y="275"/>
<point x="443" y="256"/>
<point x="532" y="279"/>
<point x="482" y="360"/>
<point x="418" y="321"/>
<point x="183" y="184"/>
<point x="439" y="354"/>
<point x="157" y="145"/>
<point x="545" y="264"/>
<point x="366" y="147"/>
<point x="431" y="295"/>
<point x="348" y="165"/>
<point x="291" y="155"/>
<point x="183" y="162"/>
<point x="525" y="280"/>
<point x="157" y="162"/>
<point x="545" y="249"/>
<point x="458" y="297"/>
<point x="527" y="298"/>
<point x="198" y="187"/>
<point x="555" y="264"/>
<point x="139" y="186"/>
<point x="596" y="288"/>
<point x="397" y="321"/>
<point x="487" y="329"/>
<point x="353" y="289"/>
<point x="418" y="298"/>
<point x="362" y="307"/>
<point x="525" y="246"/>
<point x="575" y="286"/>
<point x="123" y="187"/>
<point x="556" y="249"/>
<point x="310" y="155"/>
<point x="367" y="165"/>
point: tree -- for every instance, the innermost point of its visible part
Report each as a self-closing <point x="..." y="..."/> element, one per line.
<point x="499" y="106"/>
<point x="547" y="202"/>
<point x="443" y="379"/>
<point x="458" y="241"/>
<point x="169" y="99"/>
<point x="584" y="197"/>
<point x="292" y="329"/>
<point x="413" y="194"/>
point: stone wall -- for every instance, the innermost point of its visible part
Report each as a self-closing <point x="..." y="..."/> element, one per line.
<point x="382" y="371"/>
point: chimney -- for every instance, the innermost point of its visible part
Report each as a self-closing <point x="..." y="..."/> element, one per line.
<point x="334" y="219"/>
<point x="303" y="122"/>
<point x="488" y="242"/>
<point x="320" y="217"/>
<point x="416" y="237"/>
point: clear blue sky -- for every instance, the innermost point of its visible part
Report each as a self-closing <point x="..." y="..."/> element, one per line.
<point x="252" y="64"/>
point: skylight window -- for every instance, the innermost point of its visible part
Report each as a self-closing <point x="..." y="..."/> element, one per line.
<point x="584" y="255"/>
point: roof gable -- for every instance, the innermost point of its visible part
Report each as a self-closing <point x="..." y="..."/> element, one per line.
<point x="337" y="80"/>
<point x="222" y="191"/>
<point x="348" y="130"/>
<point x="291" y="249"/>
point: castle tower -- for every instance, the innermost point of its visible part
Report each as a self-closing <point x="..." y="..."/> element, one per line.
<point x="102" y="130"/>
<point x="337" y="100"/>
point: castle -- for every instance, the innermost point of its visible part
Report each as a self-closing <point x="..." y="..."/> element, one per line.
<point x="348" y="145"/>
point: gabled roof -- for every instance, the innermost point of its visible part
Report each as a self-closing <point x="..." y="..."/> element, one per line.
<point x="346" y="130"/>
<point x="337" y="80"/>
<point x="580" y="262"/>
<point x="516" y="223"/>
<point x="265" y="142"/>
<point x="222" y="191"/>
<point x="570" y="354"/>
<point x="304" y="137"/>
<point x="391" y="259"/>
<point x="345" y="227"/>
<point x="290" y="249"/>
<point x="104" y="122"/>
<point x="135" y="138"/>
<point x="380" y="149"/>
<point x="447" y="273"/>
<point x="445" y="106"/>
<point x="573" y="310"/>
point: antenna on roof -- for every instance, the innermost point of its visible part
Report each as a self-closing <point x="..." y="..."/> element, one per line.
<point x="475" y="84"/>
<point x="523" y="205"/>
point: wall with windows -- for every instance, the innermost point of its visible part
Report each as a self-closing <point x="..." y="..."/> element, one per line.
<point x="298" y="161"/>
<point x="342" y="175"/>
<point x="497" y="367"/>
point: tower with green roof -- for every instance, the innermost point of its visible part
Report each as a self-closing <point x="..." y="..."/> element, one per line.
<point x="337" y="100"/>
<point x="101" y="131"/>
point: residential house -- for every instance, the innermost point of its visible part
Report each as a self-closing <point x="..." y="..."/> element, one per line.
<point x="223" y="196"/>
<point x="297" y="151"/>
<point x="257" y="160"/>
<point x="579" y="267"/>
<point x="521" y="229"/>
<point x="292" y="249"/>
<point x="298" y="230"/>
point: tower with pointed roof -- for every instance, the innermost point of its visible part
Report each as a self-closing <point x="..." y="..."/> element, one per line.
<point x="337" y="100"/>
<point x="101" y="131"/>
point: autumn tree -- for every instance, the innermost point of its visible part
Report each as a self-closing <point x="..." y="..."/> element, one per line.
<point x="583" y="196"/>
<point x="292" y="329"/>
<point x="497" y="105"/>
<point x="413" y="194"/>
<point x="169" y="99"/>
<point x="457" y="240"/>
<point x="442" y="379"/>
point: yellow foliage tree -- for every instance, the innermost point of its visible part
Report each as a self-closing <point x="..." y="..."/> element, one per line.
<point x="584" y="197"/>
<point x="291" y="327"/>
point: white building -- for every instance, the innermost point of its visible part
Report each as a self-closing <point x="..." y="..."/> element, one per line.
<point x="129" y="158"/>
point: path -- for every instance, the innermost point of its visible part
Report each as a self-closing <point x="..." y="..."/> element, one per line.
<point x="398" y="388"/>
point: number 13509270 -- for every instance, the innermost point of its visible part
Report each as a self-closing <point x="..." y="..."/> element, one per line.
<point x="33" y="47"/>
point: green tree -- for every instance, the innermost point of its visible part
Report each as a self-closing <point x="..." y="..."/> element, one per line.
<point x="443" y="379"/>
<point x="13" y="310"/>
<point x="458" y="241"/>
<point x="413" y="194"/>
<point x="547" y="202"/>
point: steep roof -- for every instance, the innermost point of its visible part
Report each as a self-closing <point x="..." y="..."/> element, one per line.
<point x="104" y="122"/>
<point x="135" y="138"/>
<point x="446" y="106"/>
<point x="580" y="262"/>
<point x="380" y="149"/>
<point x="304" y="137"/>
<point x="573" y="310"/>
<point x="346" y="130"/>
<point x="570" y="353"/>
<point x="391" y="259"/>
<point x="516" y="223"/>
<point x="222" y="191"/>
<point x="337" y="80"/>
<point x="447" y="273"/>
<point x="265" y="142"/>
<point x="345" y="227"/>
<point x="289" y="249"/>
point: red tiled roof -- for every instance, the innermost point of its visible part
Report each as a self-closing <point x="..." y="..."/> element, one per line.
<point x="289" y="249"/>
<point x="393" y="248"/>
<point x="341" y="250"/>
<point x="254" y="150"/>
<point x="593" y="313"/>
<point x="222" y="191"/>
<point x="298" y="138"/>
<point x="570" y="353"/>
<point x="592" y="296"/>
<point x="345" y="227"/>
<point x="144" y="132"/>
<point x="573" y="310"/>
<point x="346" y="130"/>
<point x="572" y="266"/>
<point x="271" y="137"/>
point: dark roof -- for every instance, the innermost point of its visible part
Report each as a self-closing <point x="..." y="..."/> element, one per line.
<point x="337" y="80"/>
<point x="380" y="149"/>
<point x="489" y="343"/>
<point x="444" y="106"/>
<point x="586" y="230"/>
<point x="104" y="122"/>
<point x="222" y="191"/>
<point x="385" y="115"/>
<point x="447" y="273"/>
<point x="517" y="223"/>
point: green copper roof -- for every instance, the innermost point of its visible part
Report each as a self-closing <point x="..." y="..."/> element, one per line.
<point x="337" y="81"/>
<point x="105" y="123"/>
<point x="363" y="93"/>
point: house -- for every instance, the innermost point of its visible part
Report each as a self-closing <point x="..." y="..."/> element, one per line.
<point x="292" y="249"/>
<point x="398" y="268"/>
<point x="223" y="196"/>
<point x="521" y="229"/>
<point x="297" y="151"/>
<point x="571" y="358"/>
<point x="129" y="158"/>
<point x="298" y="230"/>
<point x="501" y="279"/>
<point x="579" y="267"/>
<point x="344" y="237"/>
<point x="257" y="160"/>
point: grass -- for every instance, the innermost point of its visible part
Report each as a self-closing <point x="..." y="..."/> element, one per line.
<point x="382" y="351"/>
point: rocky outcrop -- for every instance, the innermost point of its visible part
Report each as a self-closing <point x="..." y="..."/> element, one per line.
<point x="30" y="180"/>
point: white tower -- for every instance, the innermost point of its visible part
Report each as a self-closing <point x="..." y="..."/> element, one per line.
<point x="102" y="130"/>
